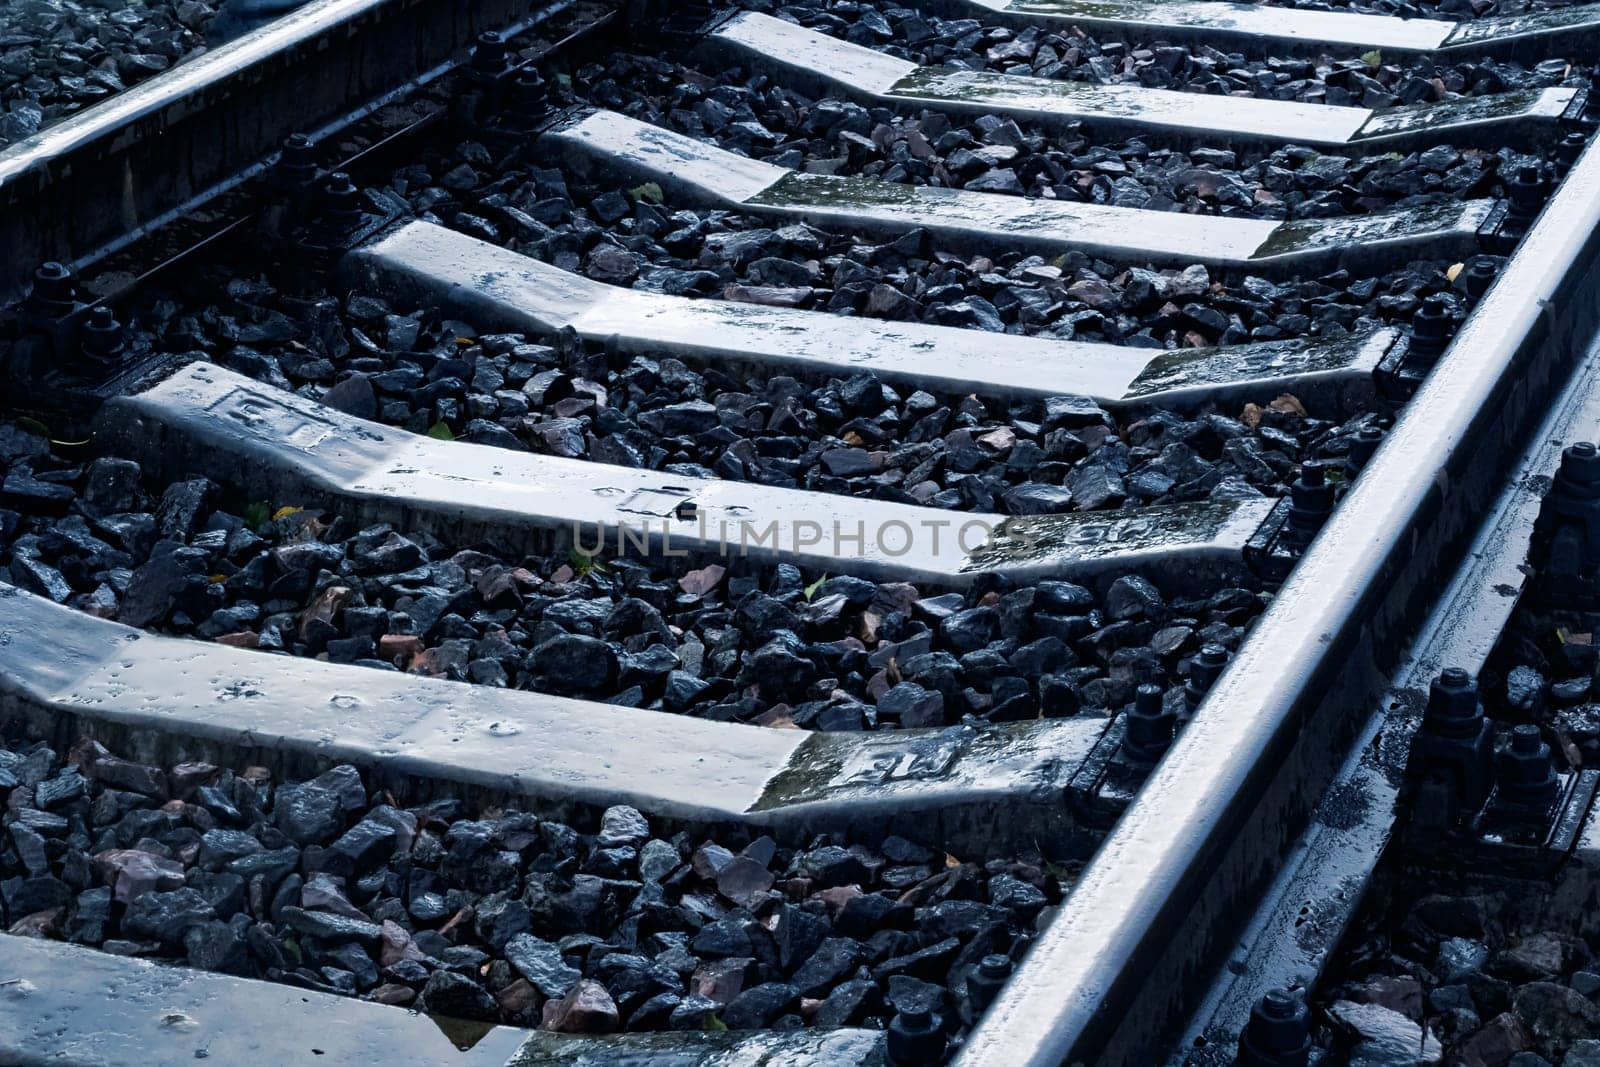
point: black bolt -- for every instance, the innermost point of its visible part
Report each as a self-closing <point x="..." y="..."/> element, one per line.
<point x="1430" y="329"/>
<point x="54" y="291"/>
<point x="1524" y="772"/>
<point x="1311" y="500"/>
<point x="1455" y="745"/>
<point x="529" y="92"/>
<point x="1569" y="148"/>
<point x="489" y="53"/>
<point x="1566" y="535"/>
<point x="1362" y="447"/>
<point x="1278" y="1034"/>
<point x="102" y="337"/>
<point x="1148" y="727"/>
<point x="916" y="1038"/>
<point x="1525" y="191"/>
<point x="341" y="203"/>
<point x="1453" y="707"/>
<point x="296" y="173"/>
<point x="1204" y="670"/>
<point x="297" y="159"/>
<point x="1579" y="473"/>
<point x="985" y="981"/>
<point x="1478" y="276"/>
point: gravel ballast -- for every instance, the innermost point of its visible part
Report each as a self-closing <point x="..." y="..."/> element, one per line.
<point x="773" y="646"/>
<point x="497" y="915"/>
<point x="58" y="57"/>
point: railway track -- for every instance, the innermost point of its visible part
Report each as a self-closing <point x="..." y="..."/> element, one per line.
<point x="803" y="534"/>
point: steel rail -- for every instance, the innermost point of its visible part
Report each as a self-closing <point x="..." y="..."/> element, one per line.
<point x="1110" y="980"/>
<point x="1116" y="971"/>
<point x="1333" y="863"/>
<point x="127" y="163"/>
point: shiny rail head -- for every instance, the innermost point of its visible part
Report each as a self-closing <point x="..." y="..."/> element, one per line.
<point x="185" y="87"/>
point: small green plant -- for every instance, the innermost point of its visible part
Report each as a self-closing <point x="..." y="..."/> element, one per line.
<point x="1373" y="58"/>
<point x="440" y="431"/>
<point x="584" y="564"/>
<point x="715" y="1024"/>
<point x="1060" y="872"/>
<point x="257" y="514"/>
<point x="649" y="193"/>
<point x="811" y="590"/>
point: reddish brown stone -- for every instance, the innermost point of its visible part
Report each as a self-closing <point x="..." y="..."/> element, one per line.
<point x="587" y="1009"/>
<point x="722" y="980"/>
<point x="519" y="1000"/>
<point x="132" y="873"/>
<point x="393" y="993"/>
<point x="1495" y="1042"/>
<point x="394" y="647"/>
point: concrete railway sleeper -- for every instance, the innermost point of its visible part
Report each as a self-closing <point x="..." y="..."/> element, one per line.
<point x="417" y="587"/>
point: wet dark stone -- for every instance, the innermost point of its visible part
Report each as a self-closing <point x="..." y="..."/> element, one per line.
<point x="835" y="959"/>
<point x="353" y="396"/>
<point x="450" y="994"/>
<point x="168" y="916"/>
<point x="912" y="706"/>
<point x="308" y="814"/>
<point x="156" y="586"/>
<point x="330" y="927"/>
<point x="541" y="963"/>
<point x="218" y="946"/>
<point x="181" y="508"/>
<point x="849" y="1003"/>
<point x="58" y="790"/>
<point x="759" y="1006"/>
<point x="575" y="663"/>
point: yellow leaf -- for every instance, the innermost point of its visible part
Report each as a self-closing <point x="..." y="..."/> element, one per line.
<point x="285" y="512"/>
<point x="218" y="579"/>
<point x="1455" y="269"/>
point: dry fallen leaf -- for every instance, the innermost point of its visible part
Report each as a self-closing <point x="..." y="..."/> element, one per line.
<point x="1288" y="403"/>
